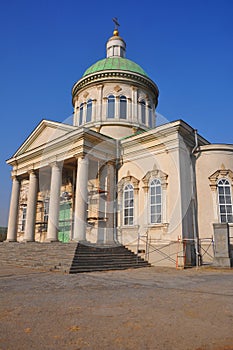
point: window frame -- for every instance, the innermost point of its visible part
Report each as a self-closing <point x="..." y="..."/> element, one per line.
<point x="128" y="220"/>
<point x="45" y="213"/>
<point x="123" y="107"/>
<point x="154" y="203"/>
<point x="23" y="218"/>
<point x="89" y="111"/>
<point x="81" y="113"/>
<point x="111" y="107"/>
<point x="142" y="104"/>
<point x="224" y="201"/>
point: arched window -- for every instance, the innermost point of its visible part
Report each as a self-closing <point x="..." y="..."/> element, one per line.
<point x="150" y="117"/>
<point x="123" y="107"/>
<point x="81" y="114"/>
<point x="89" y="111"/>
<point x="111" y="106"/>
<point x="224" y="201"/>
<point x="143" y="111"/>
<point x="155" y="202"/>
<point x="128" y="205"/>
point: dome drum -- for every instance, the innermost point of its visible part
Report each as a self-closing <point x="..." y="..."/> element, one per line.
<point x="115" y="95"/>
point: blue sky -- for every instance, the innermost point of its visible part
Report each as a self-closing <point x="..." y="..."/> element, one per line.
<point x="185" y="46"/>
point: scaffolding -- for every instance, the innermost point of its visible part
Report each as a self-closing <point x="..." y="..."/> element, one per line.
<point x="200" y="251"/>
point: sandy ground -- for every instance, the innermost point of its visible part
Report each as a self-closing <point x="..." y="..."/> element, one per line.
<point x="150" y="308"/>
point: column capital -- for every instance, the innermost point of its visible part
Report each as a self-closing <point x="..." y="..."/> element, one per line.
<point x="111" y="162"/>
<point x="15" y="177"/>
<point x="55" y="163"/>
<point x="100" y="86"/>
<point x="31" y="171"/>
<point x="81" y="155"/>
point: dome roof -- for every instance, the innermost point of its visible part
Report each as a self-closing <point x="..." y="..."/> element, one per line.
<point x="115" y="63"/>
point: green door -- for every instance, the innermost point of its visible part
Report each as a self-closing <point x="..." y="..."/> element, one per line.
<point x="64" y="222"/>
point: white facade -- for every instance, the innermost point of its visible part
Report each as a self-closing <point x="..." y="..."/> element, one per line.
<point x="114" y="177"/>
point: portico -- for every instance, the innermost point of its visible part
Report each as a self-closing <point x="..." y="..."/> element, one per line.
<point x="48" y="179"/>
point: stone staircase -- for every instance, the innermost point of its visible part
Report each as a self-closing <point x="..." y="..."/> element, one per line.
<point x="89" y="258"/>
<point x="69" y="257"/>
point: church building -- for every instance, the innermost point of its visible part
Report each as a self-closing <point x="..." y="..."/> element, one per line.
<point x="115" y="177"/>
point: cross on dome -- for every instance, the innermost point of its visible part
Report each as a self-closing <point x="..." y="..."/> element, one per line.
<point x="117" y="25"/>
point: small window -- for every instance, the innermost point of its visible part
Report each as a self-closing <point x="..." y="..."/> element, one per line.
<point x="46" y="213"/>
<point x="23" y="221"/>
<point x="89" y="111"/>
<point x="155" y="202"/>
<point x="111" y="107"/>
<point x="81" y="114"/>
<point x="224" y="201"/>
<point x="123" y="107"/>
<point x="128" y="205"/>
<point x="143" y="111"/>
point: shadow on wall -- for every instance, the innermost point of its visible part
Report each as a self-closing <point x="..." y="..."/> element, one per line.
<point x="3" y="233"/>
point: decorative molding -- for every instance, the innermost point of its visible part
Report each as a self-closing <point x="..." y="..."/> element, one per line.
<point x="117" y="88"/>
<point x="222" y="173"/>
<point x="128" y="179"/>
<point x="100" y="76"/>
<point x="155" y="174"/>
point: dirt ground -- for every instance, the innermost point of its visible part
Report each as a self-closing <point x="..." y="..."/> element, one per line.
<point x="149" y="308"/>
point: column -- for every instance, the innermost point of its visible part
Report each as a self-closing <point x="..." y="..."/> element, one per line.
<point x="129" y="109"/>
<point x="94" y="105"/>
<point x="117" y="107"/>
<point x="99" y="112"/>
<point x="80" y="218"/>
<point x="134" y="105"/>
<point x="13" y="213"/>
<point x="104" y="108"/>
<point x="109" y="237"/>
<point x="29" y="235"/>
<point x="147" y="112"/>
<point x="54" y="203"/>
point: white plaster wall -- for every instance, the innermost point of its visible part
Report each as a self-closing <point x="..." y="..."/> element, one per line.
<point x="210" y="159"/>
<point x="167" y="161"/>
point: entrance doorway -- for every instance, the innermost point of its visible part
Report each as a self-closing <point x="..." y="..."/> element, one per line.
<point x="64" y="222"/>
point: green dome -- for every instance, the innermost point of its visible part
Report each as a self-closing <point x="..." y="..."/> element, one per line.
<point x="115" y="63"/>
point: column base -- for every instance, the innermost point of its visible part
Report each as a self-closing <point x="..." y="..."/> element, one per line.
<point x="222" y="262"/>
<point x="82" y="241"/>
<point x="51" y="240"/>
<point x="28" y="240"/>
<point x="10" y="240"/>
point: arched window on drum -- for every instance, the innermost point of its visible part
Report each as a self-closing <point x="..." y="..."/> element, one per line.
<point x="111" y="107"/>
<point x="89" y="111"/>
<point x="81" y="113"/>
<point x="123" y="107"/>
<point x="142" y="104"/>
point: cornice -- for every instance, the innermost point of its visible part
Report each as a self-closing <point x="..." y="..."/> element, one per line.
<point x="99" y="77"/>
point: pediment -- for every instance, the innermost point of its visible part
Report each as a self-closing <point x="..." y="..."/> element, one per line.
<point x="45" y="132"/>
